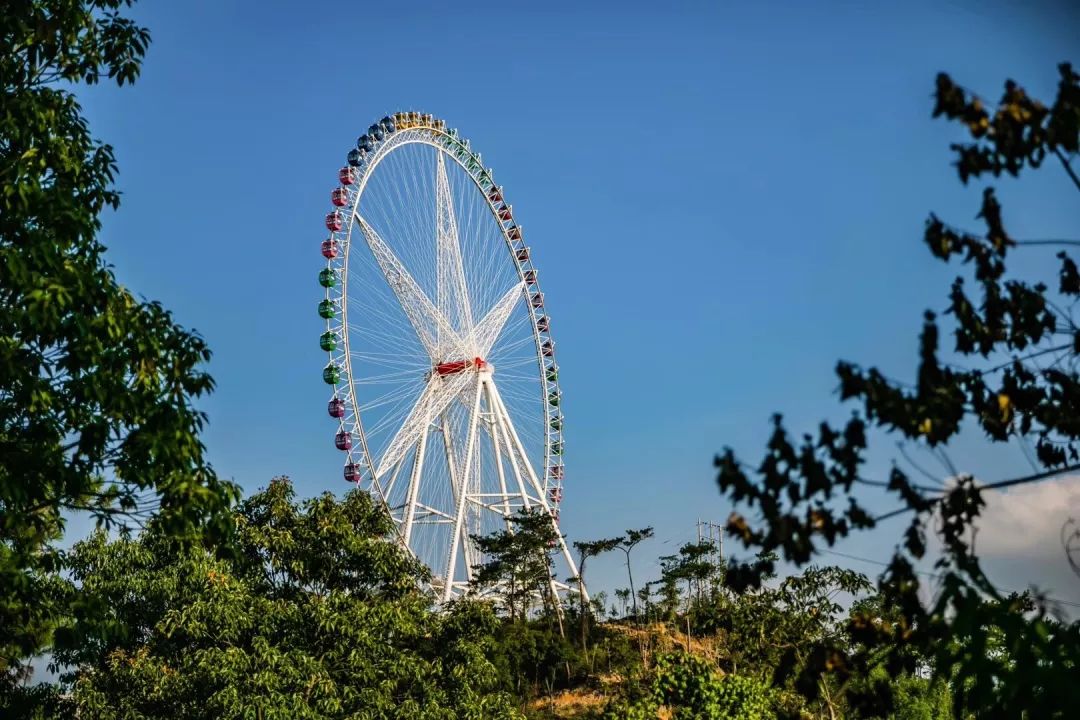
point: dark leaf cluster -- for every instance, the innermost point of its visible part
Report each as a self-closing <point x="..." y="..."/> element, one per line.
<point x="1022" y="385"/>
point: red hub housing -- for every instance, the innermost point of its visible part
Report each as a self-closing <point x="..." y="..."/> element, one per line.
<point x="456" y="366"/>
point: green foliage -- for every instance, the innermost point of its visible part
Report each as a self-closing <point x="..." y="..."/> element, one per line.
<point x="318" y="615"/>
<point x="692" y="689"/>
<point x="533" y="658"/>
<point x="42" y="701"/>
<point x="1021" y="384"/>
<point x="917" y="698"/>
<point x="96" y="387"/>
<point x="586" y="550"/>
<point x="518" y="567"/>
<point x="780" y="629"/>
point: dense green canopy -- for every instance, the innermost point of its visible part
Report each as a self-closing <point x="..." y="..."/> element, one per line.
<point x="318" y="616"/>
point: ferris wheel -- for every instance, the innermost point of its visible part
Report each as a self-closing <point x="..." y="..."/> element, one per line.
<point x="440" y="355"/>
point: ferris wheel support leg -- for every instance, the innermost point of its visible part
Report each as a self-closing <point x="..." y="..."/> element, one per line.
<point x="535" y="482"/>
<point x="493" y="429"/>
<point x="456" y="487"/>
<point x="459" y="516"/>
<point x="414" y="486"/>
<point x="501" y="426"/>
<point x="514" y="466"/>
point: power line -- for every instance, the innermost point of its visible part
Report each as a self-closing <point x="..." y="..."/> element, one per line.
<point x="937" y="576"/>
<point x="988" y="486"/>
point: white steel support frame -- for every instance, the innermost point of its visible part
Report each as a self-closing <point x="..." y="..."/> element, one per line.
<point x="453" y="332"/>
<point x="457" y="487"/>
<point x="530" y="491"/>
<point x="541" y="497"/>
<point x="413" y="496"/>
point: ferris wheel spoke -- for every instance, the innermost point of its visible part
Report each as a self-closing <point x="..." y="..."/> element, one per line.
<point x="487" y="330"/>
<point x="430" y="325"/>
<point x="452" y="292"/>
<point x="437" y="395"/>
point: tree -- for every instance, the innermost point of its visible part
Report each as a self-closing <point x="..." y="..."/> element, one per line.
<point x="623" y="595"/>
<point x="318" y="615"/>
<point x="629" y="542"/>
<point x="778" y="634"/>
<point x="587" y="550"/>
<point x="599" y="603"/>
<point x="669" y="591"/>
<point x="689" y="686"/>
<point x="645" y="596"/>
<point x="1022" y="344"/>
<point x="96" y="387"/>
<point x="519" y="563"/>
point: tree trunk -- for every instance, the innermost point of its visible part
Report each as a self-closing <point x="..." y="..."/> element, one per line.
<point x="630" y="575"/>
<point x="584" y="609"/>
<point x="827" y="696"/>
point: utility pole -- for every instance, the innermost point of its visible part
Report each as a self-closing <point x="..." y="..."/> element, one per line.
<point x="714" y="534"/>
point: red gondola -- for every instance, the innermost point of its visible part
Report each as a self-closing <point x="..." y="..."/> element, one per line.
<point x="514" y="233"/>
<point x="543" y="324"/>
<point x="530" y="277"/>
<point x="548" y="348"/>
<point x="347" y="175"/>
<point x="334" y="221"/>
<point x="556" y="471"/>
<point x="538" y="300"/>
<point x="352" y="472"/>
<point x="495" y="195"/>
<point x="343" y="440"/>
<point x="336" y="408"/>
<point x="506" y="214"/>
<point x="523" y="254"/>
<point x="339" y="197"/>
<point x="329" y="249"/>
<point x="555" y="494"/>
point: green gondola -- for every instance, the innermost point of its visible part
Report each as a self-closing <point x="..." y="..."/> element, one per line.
<point x="327" y="278"/>
<point x="331" y="374"/>
<point x="328" y="341"/>
<point x="326" y="309"/>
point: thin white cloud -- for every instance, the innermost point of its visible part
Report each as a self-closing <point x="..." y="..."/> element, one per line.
<point x="1025" y="521"/>
<point x="1019" y="538"/>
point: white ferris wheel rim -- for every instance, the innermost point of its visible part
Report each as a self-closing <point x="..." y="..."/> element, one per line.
<point x="416" y="129"/>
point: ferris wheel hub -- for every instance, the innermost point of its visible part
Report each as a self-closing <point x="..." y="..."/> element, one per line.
<point x="457" y="366"/>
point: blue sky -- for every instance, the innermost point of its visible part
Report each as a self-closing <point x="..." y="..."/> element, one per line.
<point x="724" y="199"/>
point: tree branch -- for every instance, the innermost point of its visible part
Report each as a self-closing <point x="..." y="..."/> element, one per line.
<point x="1068" y="168"/>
